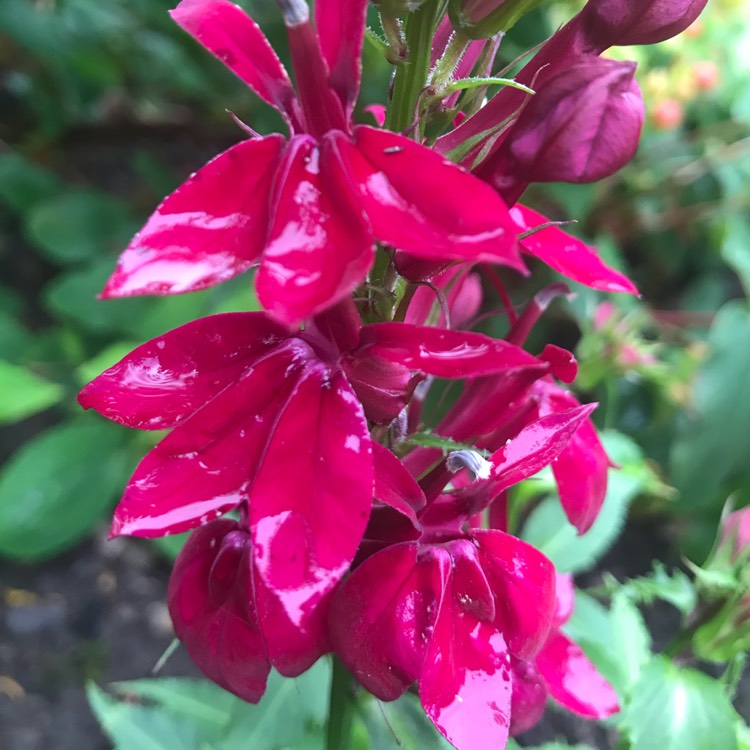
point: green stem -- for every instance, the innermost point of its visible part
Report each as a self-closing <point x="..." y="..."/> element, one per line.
<point x="445" y="67"/>
<point x="341" y="709"/>
<point x="411" y="77"/>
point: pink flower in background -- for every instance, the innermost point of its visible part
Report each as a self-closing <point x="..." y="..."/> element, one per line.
<point x="446" y="605"/>
<point x="561" y="671"/>
<point x="308" y="209"/>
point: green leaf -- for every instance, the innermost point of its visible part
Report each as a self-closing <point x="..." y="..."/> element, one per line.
<point x="631" y="641"/>
<point x="22" y="393"/>
<point x="674" y="587"/>
<point x="591" y="628"/>
<point x="548" y="529"/>
<point x="735" y="248"/>
<point x="22" y="183"/>
<point x="676" y="709"/>
<point x="134" y="727"/>
<point x="399" y="723"/>
<point x="711" y="446"/>
<point x="74" y="226"/>
<point x="198" y="701"/>
<point x="471" y="83"/>
<point x="291" y="714"/>
<point x="57" y="486"/>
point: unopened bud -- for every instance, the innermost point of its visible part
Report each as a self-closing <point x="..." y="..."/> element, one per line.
<point x="625" y="22"/>
<point x="581" y="126"/>
<point x="481" y="19"/>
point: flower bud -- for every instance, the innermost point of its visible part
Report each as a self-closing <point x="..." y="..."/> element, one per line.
<point x="481" y="19"/>
<point x="625" y="22"/>
<point x="735" y="533"/>
<point x="581" y="126"/>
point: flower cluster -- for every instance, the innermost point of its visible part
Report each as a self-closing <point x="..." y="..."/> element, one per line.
<point x="344" y="533"/>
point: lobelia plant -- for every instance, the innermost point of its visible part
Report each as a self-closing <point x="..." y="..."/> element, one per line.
<point x="349" y="530"/>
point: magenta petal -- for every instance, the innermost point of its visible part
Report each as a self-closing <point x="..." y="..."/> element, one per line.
<point x="443" y="353"/>
<point x="394" y="485"/>
<point x="209" y="230"/>
<point x="581" y="467"/>
<point x="465" y="685"/>
<point x="573" y="681"/>
<point x="205" y="466"/>
<point x="403" y="186"/>
<point x="565" y="598"/>
<point x="228" y="32"/>
<point x="463" y="295"/>
<point x="164" y="381"/>
<point x="383" y="615"/>
<point x="383" y="387"/>
<point x="211" y="603"/>
<point x="537" y="445"/>
<point x="567" y="254"/>
<point x="523" y="581"/>
<point x="341" y="29"/>
<point x="529" y="696"/>
<point x="309" y="507"/>
<point x="319" y="245"/>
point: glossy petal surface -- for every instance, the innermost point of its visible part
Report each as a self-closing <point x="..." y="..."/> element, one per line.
<point x="442" y="353"/>
<point x="565" y="598"/>
<point x="463" y="295"/>
<point x="568" y="255"/>
<point x="319" y="245"/>
<point x="523" y="581"/>
<point x="403" y="190"/>
<point x="536" y="446"/>
<point x="341" y="27"/>
<point x="390" y="603"/>
<point x="209" y="230"/>
<point x="573" y="681"/>
<point x="162" y="382"/>
<point x="211" y="605"/>
<point x="308" y="511"/>
<point x="581" y="467"/>
<point x="465" y="685"/>
<point x="206" y="465"/>
<point x="231" y="35"/>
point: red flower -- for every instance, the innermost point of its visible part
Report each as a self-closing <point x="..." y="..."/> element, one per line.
<point x="560" y="670"/>
<point x="271" y="422"/>
<point x="311" y="208"/>
<point x="449" y="607"/>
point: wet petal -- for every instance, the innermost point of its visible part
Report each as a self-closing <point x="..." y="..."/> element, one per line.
<point x="383" y="616"/>
<point x="568" y="255"/>
<point x="209" y="230"/>
<point x="205" y="466"/>
<point x="341" y="29"/>
<point x="529" y="696"/>
<point x="319" y="244"/>
<point x="228" y="32"/>
<point x="537" y="445"/>
<point x="465" y="685"/>
<point x="164" y="381"/>
<point x="445" y="354"/>
<point x="573" y="681"/>
<point x="394" y="485"/>
<point x="523" y="581"/>
<point x="309" y="506"/>
<point x="581" y="467"/>
<point x="427" y="206"/>
<point x="211" y="604"/>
